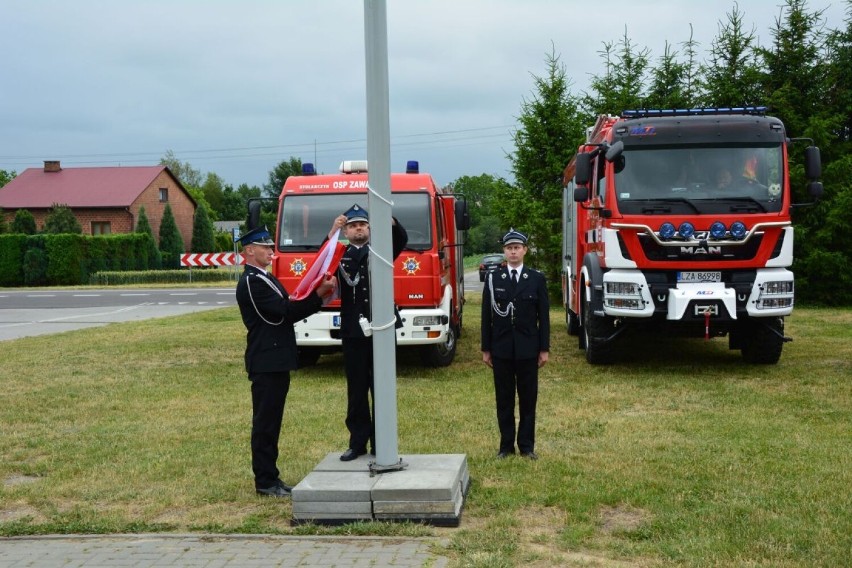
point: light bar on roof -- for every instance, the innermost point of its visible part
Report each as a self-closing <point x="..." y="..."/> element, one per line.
<point x="649" y="113"/>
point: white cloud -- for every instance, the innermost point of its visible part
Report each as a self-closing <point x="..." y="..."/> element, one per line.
<point x="100" y="82"/>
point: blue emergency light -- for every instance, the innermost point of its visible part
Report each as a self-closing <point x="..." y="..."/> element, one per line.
<point x="718" y="230"/>
<point x="653" y="113"/>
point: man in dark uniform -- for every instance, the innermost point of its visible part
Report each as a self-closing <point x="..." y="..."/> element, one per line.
<point x="354" y="277"/>
<point x="268" y="315"/>
<point x="515" y="342"/>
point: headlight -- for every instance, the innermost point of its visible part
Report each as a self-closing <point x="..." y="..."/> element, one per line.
<point x="622" y="288"/>
<point x="781" y="287"/>
<point x="427" y="320"/>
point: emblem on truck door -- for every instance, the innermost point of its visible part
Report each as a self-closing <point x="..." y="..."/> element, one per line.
<point x="298" y="266"/>
<point x="410" y="265"/>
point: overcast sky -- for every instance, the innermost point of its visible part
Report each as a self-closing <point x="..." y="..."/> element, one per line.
<point x="235" y="87"/>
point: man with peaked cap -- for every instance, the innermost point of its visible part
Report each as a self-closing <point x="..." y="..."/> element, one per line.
<point x="515" y="342"/>
<point x="354" y="277"/>
<point x="269" y="315"/>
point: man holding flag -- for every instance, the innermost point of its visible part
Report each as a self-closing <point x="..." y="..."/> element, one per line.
<point x="268" y="313"/>
<point x="354" y="309"/>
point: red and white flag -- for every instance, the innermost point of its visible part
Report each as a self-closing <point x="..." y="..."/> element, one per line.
<point x="324" y="266"/>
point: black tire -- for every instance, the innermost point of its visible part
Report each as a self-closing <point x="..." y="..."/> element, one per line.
<point x="308" y="356"/>
<point x="594" y="329"/>
<point x="440" y="354"/>
<point x="762" y="340"/>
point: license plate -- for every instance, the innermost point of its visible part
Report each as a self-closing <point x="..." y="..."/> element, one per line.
<point x="698" y="276"/>
<point x="335" y="321"/>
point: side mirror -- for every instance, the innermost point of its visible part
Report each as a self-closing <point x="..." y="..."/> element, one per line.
<point x="614" y="152"/>
<point x="813" y="163"/>
<point x="462" y="215"/>
<point x="583" y="169"/>
<point x="581" y="194"/>
<point x="815" y="189"/>
<point x="253" y="219"/>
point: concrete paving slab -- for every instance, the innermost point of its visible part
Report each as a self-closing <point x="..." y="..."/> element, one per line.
<point x="359" y="507"/>
<point x="431" y="489"/>
<point x="334" y="486"/>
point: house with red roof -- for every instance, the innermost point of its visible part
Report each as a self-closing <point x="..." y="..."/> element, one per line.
<point x="104" y="200"/>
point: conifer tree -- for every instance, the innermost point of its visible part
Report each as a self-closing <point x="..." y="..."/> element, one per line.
<point x="550" y="130"/>
<point x="61" y="220"/>
<point x="171" y="243"/>
<point x="155" y="259"/>
<point x="202" y="231"/>
<point x="24" y="223"/>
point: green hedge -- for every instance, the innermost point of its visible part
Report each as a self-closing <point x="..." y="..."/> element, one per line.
<point x="12" y="250"/>
<point x="68" y="259"/>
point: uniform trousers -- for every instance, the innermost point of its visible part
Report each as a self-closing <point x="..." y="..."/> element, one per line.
<point x="511" y="375"/>
<point x="358" y="364"/>
<point x="268" y="395"/>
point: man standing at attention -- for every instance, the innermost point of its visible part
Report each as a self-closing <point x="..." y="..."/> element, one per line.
<point x="268" y="315"/>
<point x="355" y="304"/>
<point x="515" y="342"/>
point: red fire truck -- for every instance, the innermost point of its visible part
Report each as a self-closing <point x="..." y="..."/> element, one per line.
<point x="679" y="221"/>
<point x="428" y="275"/>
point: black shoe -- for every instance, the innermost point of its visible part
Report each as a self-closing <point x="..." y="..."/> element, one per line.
<point x="277" y="490"/>
<point x="351" y="454"/>
<point x="529" y="455"/>
<point x="502" y="454"/>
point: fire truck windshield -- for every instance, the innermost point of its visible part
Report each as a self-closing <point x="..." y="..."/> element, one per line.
<point x="692" y="179"/>
<point x="306" y="219"/>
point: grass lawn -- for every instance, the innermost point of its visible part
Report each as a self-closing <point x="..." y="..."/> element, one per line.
<point x="678" y="455"/>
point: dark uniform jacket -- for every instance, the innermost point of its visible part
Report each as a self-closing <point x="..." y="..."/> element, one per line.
<point x="355" y="300"/>
<point x="525" y="330"/>
<point x="271" y="344"/>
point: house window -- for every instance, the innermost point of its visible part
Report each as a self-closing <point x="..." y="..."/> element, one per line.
<point x="101" y="228"/>
<point x="164" y="194"/>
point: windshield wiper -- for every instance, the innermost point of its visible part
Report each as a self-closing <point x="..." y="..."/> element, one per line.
<point x="663" y="208"/>
<point x="752" y="203"/>
<point x="299" y="247"/>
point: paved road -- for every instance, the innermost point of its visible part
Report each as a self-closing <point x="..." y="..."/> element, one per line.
<point x="31" y="312"/>
<point x="210" y="550"/>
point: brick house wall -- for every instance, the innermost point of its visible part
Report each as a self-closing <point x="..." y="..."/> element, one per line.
<point x="120" y="220"/>
<point x="183" y="208"/>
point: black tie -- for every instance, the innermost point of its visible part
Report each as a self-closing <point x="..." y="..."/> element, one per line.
<point x="514" y="276"/>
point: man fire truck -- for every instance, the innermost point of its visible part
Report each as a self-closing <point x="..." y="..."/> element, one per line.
<point x="679" y="221"/>
<point x="428" y="275"/>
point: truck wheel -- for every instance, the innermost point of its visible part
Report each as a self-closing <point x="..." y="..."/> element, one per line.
<point x="762" y="340"/>
<point x="308" y="356"/>
<point x="440" y="354"/>
<point x="572" y="320"/>
<point x="595" y="328"/>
